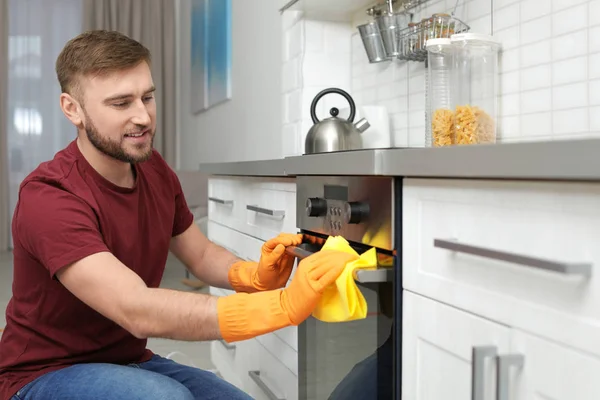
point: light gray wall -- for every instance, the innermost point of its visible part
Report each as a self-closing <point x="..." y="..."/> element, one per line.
<point x="248" y="127"/>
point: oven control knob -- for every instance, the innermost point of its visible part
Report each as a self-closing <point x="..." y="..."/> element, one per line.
<point x="316" y="207"/>
<point x="356" y="212"/>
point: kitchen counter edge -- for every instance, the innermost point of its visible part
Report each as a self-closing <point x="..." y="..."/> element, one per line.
<point x="555" y="160"/>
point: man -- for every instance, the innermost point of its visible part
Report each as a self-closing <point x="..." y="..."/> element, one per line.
<point x="92" y="230"/>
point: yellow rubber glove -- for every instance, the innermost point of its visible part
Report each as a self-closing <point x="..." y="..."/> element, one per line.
<point x="243" y="316"/>
<point x="272" y="270"/>
<point x="343" y="300"/>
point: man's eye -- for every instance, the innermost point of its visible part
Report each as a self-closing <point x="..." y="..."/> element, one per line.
<point x="119" y="105"/>
<point x="148" y="98"/>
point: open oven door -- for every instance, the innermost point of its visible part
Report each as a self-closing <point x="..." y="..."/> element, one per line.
<point x="354" y="359"/>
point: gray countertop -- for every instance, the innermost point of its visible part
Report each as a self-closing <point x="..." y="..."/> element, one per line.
<point x="555" y="160"/>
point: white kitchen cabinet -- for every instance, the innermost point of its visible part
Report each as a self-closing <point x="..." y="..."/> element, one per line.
<point x="488" y="247"/>
<point x="258" y="207"/>
<point x="272" y="380"/>
<point x="439" y="346"/>
<point x="239" y="220"/>
<point x="513" y="260"/>
<point x="549" y="371"/>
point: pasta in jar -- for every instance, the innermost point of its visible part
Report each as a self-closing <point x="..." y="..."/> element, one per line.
<point x="442" y="127"/>
<point x="466" y="125"/>
<point x="473" y="126"/>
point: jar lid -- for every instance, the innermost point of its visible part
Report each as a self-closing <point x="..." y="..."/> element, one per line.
<point x="472" y="37"/>
<point x="438" y="42"/>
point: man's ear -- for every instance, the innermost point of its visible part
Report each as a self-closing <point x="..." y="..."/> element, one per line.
<point x="71" y="108"/>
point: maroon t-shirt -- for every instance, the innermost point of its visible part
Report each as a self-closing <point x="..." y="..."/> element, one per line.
<point x="67" y="211"/>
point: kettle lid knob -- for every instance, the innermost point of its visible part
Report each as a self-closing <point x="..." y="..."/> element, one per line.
<point x="334" y="112"/>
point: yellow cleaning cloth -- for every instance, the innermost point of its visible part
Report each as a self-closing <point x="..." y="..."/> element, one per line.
<point x="343" y="301"/>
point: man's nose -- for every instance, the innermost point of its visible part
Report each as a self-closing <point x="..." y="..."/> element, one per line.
<point x="141" y="115"/>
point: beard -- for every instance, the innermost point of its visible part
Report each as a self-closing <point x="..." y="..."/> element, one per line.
<point x="116" y="149"/>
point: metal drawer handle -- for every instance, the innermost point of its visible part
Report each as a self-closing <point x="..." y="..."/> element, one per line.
<point x="255" y="375"/>
<point x="221" y="201"/>
<point x="480" y="353"/>
<point x="504" y="363"/>
<point x="228" y="346"/>
<point x="266" y="211"/>
<point x="584" y="269"/>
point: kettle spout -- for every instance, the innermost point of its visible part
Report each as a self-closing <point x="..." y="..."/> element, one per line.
<point x="362" y="125"/>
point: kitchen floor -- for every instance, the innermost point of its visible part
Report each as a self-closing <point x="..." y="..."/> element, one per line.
<point x="189" y="353"/>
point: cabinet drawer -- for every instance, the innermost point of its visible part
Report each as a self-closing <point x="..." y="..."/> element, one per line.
<point x="269" y="212"/>
<point x="227" y="238"/>
<point x="223" y="358"/>
<point x="285" y="353"/>
<point x="261" y="207"/>
<point x="225" y="201"/>
<point x="234" y="360"/>
<point x="514" y="238"/>
<point x="272" y="379"/>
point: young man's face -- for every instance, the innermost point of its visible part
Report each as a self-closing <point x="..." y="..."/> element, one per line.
<point x="120" y="113"/>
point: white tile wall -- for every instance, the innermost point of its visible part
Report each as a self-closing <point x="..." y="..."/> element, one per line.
<point x="549" y="70"/>
<point x="317" y="56"/>
<point x="549" y="83"/>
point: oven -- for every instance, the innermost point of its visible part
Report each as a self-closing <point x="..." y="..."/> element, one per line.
<point x="358" y="359"/>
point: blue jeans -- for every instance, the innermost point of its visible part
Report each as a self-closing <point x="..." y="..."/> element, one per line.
<point x="157" y="379"/>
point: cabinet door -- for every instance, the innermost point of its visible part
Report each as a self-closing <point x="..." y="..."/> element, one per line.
<point x="443" y="347"/>
<point x="539" y="369"/>
<point x="524" y="254"/>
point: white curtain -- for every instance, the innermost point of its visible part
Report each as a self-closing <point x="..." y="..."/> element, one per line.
<point x="35" y="127"/>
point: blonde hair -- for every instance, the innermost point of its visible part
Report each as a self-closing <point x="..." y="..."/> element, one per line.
<point x="97" y="52"/>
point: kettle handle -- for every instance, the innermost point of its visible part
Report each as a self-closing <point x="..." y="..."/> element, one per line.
<point x="313" y="106"/>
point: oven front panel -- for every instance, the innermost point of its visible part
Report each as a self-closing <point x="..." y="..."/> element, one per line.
<point x="361" y="209"/>
<point x="357" y="360"/>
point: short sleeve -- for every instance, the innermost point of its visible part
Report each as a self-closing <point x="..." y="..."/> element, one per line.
<point x="183" y="215"/>
<point x="55" y="226"/>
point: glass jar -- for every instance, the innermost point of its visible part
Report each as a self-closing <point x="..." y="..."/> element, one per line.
<point x="476" y="65"/>
<point x="440" y="91"/>
<point x="424" y="33"/>
<point x="442" y="26"/>
<point x="410" y="45"/>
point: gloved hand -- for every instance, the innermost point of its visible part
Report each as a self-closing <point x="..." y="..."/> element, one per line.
<point x="271" y="272"/>
<point x="243" y="316"/>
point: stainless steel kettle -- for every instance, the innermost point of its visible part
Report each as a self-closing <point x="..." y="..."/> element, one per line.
<point x="334" y="134"/>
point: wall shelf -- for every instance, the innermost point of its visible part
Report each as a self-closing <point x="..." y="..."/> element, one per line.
<point x="329" y="10"/>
